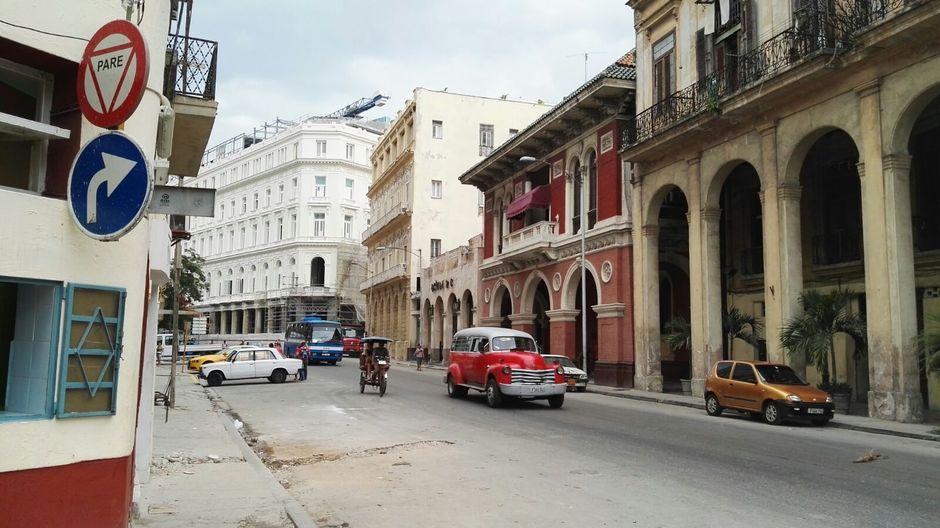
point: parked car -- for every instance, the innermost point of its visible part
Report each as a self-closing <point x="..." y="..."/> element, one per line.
<point x="251" y="363"/>
<point x="772" y="390"/>
<point x="188" y="349"/>
<point x="575" y="378"/>
<point x="197" y="362"/>
<point x="502" y="363"/>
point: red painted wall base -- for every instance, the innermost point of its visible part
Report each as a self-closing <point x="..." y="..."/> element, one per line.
<point x="96" y="494"/>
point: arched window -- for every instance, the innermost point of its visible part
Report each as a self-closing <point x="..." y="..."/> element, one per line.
<point x="576" y="197"/>
<point x="240" y="281"/>
<point x="265" y="273"/>
<point x="591" y="186"/>
<point x="317" y="272"/>
<point x="277" y="283"/>
<point x="252" y="283"/>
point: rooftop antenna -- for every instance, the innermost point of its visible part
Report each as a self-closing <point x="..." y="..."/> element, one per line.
<point x="586" y="54"/>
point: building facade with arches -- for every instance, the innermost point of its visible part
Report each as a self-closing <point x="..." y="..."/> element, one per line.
<point x="450" y="300"/>
<point x="285" y="239"/>
<point x="530" y="275"/>
<point x="784" y="147"/>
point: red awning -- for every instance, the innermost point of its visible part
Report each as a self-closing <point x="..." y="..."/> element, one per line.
<point x="538" y="198"/>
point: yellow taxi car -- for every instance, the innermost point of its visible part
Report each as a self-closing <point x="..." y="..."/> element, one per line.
<point x="197" y="362"/>
<point x="772" y="390"/>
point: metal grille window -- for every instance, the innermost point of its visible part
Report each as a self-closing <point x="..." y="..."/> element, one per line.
<point x="93" y="335"/>
<point x="486" y="139"/>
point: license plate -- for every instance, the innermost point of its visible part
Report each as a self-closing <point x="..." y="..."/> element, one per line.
<point x="383" y="363"/>
<point x="812" y="410"/>
<point x="537" y="389"/>
<point x="571" y="382"/>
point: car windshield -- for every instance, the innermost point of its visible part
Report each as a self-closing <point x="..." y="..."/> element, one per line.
<point x="319" y="334"/>
<point x="779" y="374"/>
<point x="512" y="343"/>
<point x="565" y="361"/>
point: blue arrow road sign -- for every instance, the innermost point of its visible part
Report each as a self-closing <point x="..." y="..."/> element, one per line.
<point x="109" y="186"/>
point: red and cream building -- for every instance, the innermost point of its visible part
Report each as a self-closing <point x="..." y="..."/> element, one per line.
<point x="531" y="273"/>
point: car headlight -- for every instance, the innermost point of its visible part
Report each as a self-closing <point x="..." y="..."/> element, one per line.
<point x="560" y="370"/>
<point x="828" y="399"/>
<point x="793" y="398"/>
<point x="583" y="376"/>
<point x="506" y="370"/>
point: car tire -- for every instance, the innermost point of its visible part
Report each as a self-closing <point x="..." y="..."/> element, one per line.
<point x="772" y="413"/>
<point x="582" y="389"/>
<point x="712" y="407"/>
<point x="332" y="363"/>
<point x="555" y="402"/>
<point x="819" y="422"/>
<point x="215" y="378"/>
<point x="278" y="376"/>
<point x="454" y="390"/>
<point x="494" y="396"/>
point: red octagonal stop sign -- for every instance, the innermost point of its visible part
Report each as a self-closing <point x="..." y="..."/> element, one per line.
<point x="113" y="74"/>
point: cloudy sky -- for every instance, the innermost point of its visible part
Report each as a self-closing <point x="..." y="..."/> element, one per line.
<point x="292" y="57"/>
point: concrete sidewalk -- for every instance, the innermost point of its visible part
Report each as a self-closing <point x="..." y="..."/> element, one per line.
<point x="856" y="423"/>
<point x="200" y="475"/>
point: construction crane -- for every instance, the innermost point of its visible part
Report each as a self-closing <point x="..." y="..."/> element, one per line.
<point x="360" y="106"/>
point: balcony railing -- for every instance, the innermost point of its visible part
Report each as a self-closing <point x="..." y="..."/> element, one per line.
<point x="815" y="28"/>
<point x="536" y="235"/>
<point x="190" y="67"/>
<point x="401" y="208"/>
<point x="398" y="270"/>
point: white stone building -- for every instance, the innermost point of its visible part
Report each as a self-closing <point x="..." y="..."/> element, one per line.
<point x="419" y="207"/>
<point x="285" y="239"/>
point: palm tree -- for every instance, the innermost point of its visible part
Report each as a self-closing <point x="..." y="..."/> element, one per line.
<point x="678" y="334"/>
<point x="739" y="325"/>
<point x="810" y="335"/>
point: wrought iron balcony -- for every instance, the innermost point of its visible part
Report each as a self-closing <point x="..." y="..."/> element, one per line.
<point x="816" y="28"/>
<point x="190" y="67"/>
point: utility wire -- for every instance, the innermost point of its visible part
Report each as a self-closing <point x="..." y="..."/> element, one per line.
<point x="41" y="31"/>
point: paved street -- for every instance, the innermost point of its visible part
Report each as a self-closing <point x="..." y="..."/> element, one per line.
<point x="418" y="458"/>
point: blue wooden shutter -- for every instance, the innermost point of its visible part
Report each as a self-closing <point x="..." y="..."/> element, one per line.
<point x="91" y="351"/>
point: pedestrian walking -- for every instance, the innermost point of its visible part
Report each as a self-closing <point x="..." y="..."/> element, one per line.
<point x="277" y="346"/>
<point x="304" y="356"/>
<point x="419" y="356"/>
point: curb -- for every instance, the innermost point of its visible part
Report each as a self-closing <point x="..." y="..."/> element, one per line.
<point x="701" y="406"/>
<point x="294" y="510"/>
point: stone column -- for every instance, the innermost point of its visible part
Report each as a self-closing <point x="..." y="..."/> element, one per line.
<point x="524" y="322"/>
<point x="245" y="323"/>
<point x="223" y="326"/>
<point x="713" y="334"/>
<point x="257" y="327"/>
<point x="779" y="303"/>
<point x="790" y="279"/>
<point x="563" y="332"/>
<point x="889" y="271"/>
<point x="699" y="287"/>
<point x="648" y="353"/>
<point x="490" y="321"/>
<point x="612" y="368"/>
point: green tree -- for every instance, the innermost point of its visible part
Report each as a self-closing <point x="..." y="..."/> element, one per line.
<point x="192" y="281"/>
<point x="810" y="335"/>
<point x="735" y="325"/>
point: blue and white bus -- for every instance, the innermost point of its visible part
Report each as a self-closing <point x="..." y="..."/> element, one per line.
<point x="324" y="339"/>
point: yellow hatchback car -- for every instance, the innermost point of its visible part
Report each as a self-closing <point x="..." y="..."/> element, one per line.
<point x="197" y="362"/>
<point x="772" y="390"/>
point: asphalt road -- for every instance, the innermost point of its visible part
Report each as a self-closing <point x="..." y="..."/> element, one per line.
<point x="418" y="458"/>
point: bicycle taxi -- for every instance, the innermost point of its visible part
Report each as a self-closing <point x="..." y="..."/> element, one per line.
<point x="374" y="364"/>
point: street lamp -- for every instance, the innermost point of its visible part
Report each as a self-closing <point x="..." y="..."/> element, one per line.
<point x="576" y="179"/>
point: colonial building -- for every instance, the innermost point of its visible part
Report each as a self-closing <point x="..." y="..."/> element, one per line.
<point x="799" y="141"/>
<point x="78" y="315"/>
<point x="284" y="243"/>
<point x="419" y="209"/>
<point x="533" y="226"/>
<point x="449" y="298"/>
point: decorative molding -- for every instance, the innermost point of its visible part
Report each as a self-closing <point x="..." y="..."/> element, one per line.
<point x="650" y="230"/>
<point x="522" y="318"/>
<point x="516" y="290"/>
<point x="869" y="88"/>
<point x="860" y="167"/>
<point x="897" y="162"/>
<point x="711" y="214"/>
<point x="607" y="271"/>
<point x="562" y="316"/>
<point x="556" y="281"/>
<point x="486" y="295"/>
<point x="789" y="191"/>
<point x="605" y="311"/>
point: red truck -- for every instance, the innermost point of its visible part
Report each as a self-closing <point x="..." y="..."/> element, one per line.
<point x="502" y="363"/>
<point x="352" y="340"/>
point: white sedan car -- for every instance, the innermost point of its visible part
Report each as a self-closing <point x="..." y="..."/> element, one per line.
<point x="575" y="378"/>
<point x="253" y="363"/>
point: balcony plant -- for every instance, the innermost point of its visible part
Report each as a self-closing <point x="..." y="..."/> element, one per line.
<point x="810" y="336"/>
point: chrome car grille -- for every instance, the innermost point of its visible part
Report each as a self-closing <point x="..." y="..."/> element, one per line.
<point x="533" y="377"/>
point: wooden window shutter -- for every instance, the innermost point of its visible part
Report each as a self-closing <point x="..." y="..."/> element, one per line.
<point x="700" y="60"/>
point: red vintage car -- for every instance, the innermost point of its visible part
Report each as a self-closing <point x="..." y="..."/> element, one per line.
<point x="502" y="363"/>
<point x="352" y="340"/>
